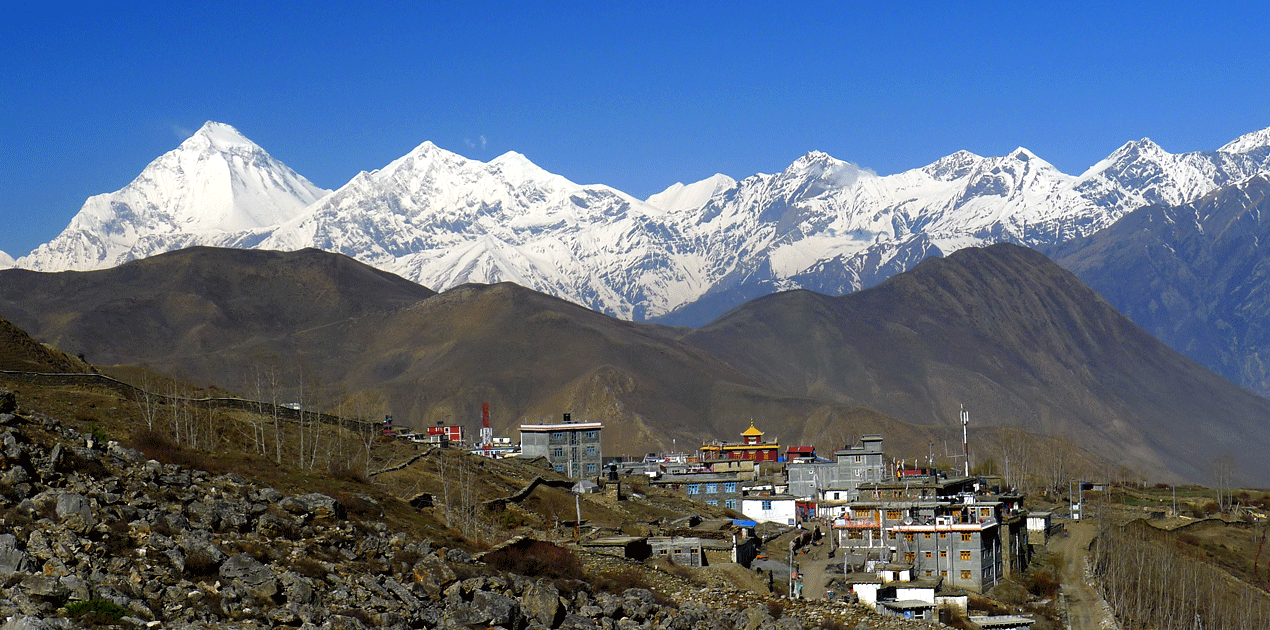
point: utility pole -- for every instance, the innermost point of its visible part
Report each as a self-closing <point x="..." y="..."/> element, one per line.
<point x="791" y="567"/>
<point x="965" y="440"/>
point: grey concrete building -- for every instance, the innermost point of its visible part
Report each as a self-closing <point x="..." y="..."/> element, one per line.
<point x="969" y="545"/>
<point x="852" y="466"/>
<point x="715" y="489"/>
<point x="572" y="448"/>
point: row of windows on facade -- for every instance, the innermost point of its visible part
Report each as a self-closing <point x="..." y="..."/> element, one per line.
<point x="727" y="503"/>
<point x="909" y="536"/>
<point x="894" y="515"/>
<point x="910" y="556"/>
<point x="590" y="469"/>
<point x="559" y="452"/>
<point x="965" y="574"/>
<point x="712" y="488"/>
<point x="562" y="436"/>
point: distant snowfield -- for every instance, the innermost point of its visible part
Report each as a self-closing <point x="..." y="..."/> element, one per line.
<point x="443" y="220"/>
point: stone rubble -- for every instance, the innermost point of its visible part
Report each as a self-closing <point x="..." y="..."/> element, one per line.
<point x="181" y="548"/>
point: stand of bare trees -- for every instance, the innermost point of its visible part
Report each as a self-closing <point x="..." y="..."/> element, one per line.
<point x="1153" y="585"/>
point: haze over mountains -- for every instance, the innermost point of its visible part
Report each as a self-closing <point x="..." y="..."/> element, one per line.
<point x="685" y="255"/>
<point x="1003" y="330"/>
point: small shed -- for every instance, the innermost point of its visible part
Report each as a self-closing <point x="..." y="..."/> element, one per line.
<point x="908" y="609"/>
<point x="629" y="547"/>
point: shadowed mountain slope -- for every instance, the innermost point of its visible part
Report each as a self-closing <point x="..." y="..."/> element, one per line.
<point x="1197" y="276"/>
<point x="19" y="352"/>
<point x="1018" y="340"/>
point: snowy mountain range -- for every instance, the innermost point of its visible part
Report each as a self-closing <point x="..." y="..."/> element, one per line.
<point x="684" y="255"/>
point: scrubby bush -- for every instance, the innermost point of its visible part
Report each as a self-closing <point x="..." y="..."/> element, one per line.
<point x="158" y="446"/>
<point x="93" y="612"/>
<point x="308" y="568"/>
<point x="534" y="558"/>
<point x="201" y="565"/>
<point x="344" y="472"/>
<point x="1044" y="576"/>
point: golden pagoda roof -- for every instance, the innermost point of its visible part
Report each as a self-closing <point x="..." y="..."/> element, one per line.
<point x="752" y="430"/>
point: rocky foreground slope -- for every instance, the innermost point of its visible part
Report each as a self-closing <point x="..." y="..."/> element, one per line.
<point x="96" y="534"/>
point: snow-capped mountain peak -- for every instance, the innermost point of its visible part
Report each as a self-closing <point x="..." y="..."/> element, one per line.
<point x="214" y="188"/>
<point x="219" y="137"/>
<point x="6" y="261"/>
<point x="680" y="197"/>
<point x="1248" y="142"/>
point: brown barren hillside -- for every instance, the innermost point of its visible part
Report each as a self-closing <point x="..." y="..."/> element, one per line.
<point x="20" y="353"/>
<point x="195" y="301"/>
<point x="263" y="323"/>
<point x="1018" y="340"/>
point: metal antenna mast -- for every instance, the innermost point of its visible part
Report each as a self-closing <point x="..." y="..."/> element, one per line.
<point x="965" y="439"/>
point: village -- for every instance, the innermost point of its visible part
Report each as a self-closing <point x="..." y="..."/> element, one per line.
<point x="852" y="525"/>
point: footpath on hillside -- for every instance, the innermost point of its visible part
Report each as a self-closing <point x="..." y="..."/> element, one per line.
<point x="1085" y="607"/>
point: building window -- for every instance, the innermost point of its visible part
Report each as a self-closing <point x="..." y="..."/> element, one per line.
<point x="729" y="503"/>
<point x="590" y="435"/>
<point x="559" y="468"/>
<point x="854" y="534"/>
<point x="965" y="537"/>
<point x="928" y="555"/>
<point x="712" y="488"/>
<point x="590" y="451"/>
<point x="894" y="535"/>
<point x="943" y="574"/>
<point x="965" y="555"/>
<point x="557" y="436"/>
<point x="729" y="487"/>
<point x="926" y="535"/>
<point x="943" y="553"/>
<point x="965" y="575"/>
<point x="712" y="502"/>
<point x="591" y="468"/>
<point x="694" y="488"/>
<point x="943" y="535"/>
<point x="908" y="537"/>
<point x="767" y="506"/>
<point x="836" y="496"/>
<point x="909" y="556"/>
<point x="892" y="515"/>
<point x="929" y="573"/>
<point x="557" y="452"/>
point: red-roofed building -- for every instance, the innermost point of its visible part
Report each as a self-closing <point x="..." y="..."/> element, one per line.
<point x="800" y="453"/>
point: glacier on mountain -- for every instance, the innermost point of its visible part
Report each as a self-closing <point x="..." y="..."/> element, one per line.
<point x="683" y="256"/>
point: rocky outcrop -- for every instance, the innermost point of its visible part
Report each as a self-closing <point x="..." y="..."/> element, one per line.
<point x="168" y="547"/>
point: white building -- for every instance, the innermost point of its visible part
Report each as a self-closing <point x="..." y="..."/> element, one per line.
<point x="772" y="509"/>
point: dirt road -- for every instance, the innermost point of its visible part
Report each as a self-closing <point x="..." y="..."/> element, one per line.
<point x="1085" y="610"/>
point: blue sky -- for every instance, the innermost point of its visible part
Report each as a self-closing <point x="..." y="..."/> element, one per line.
<point x="634" y="95"/>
